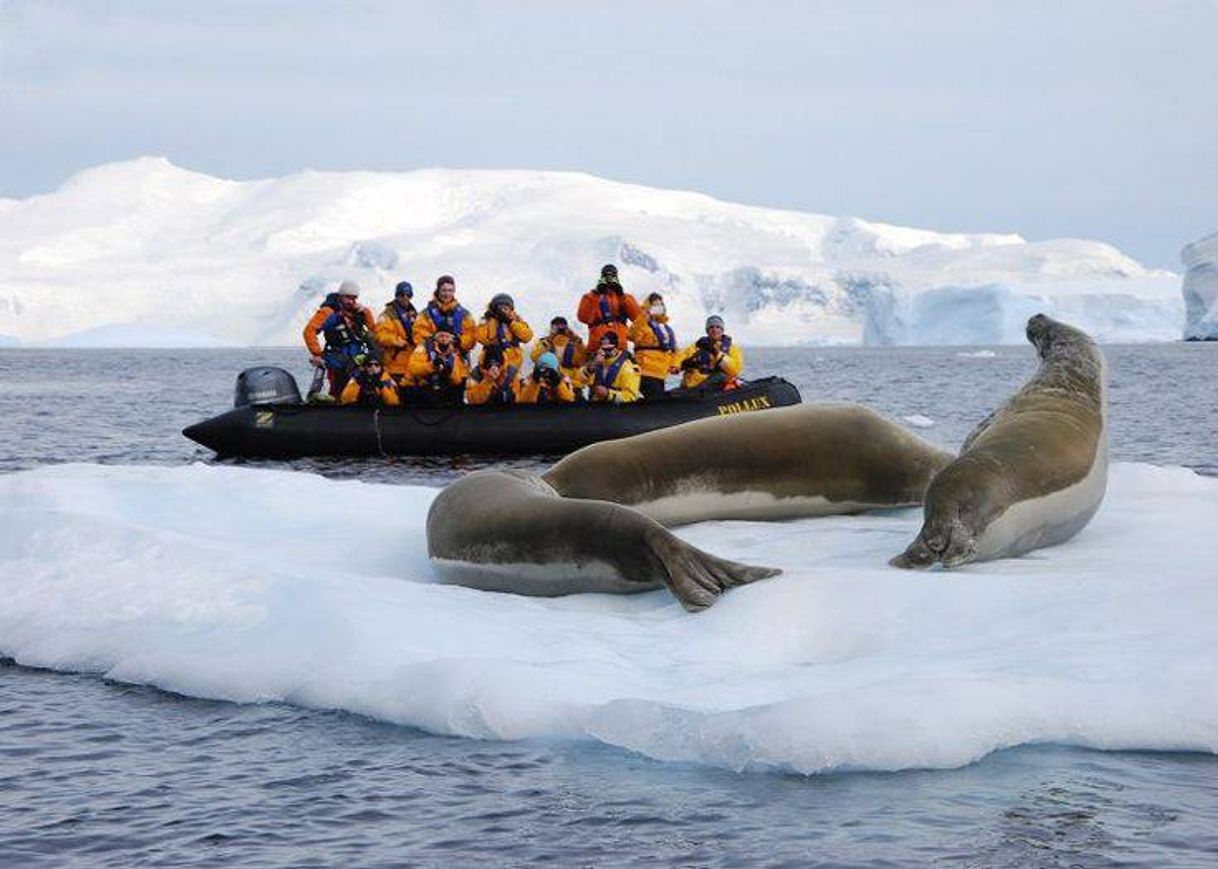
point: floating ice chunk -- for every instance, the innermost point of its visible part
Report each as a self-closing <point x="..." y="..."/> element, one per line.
<point x="244" y="585"/>
<point x="919" y="421"/>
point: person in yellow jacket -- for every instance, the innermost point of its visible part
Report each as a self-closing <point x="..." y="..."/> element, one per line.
<point x="494" y="382"/>
<point x="502" y="327"/>
<point x="395" y="332"/>
<point x="611" y="374"/>
<point x="370" y="385"/>
<point x="566" y="345"/>
<point x="445" y="314"/>
<point x="655" y="346"/>
<point x="712" y="362"/>
<point x="547" y="385"/>
<point x="436" y="366"/>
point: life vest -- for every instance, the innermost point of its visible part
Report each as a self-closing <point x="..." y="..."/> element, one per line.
<point x="567" y="360"/>
<point x="503" y="393"/>
<point x="447" y="322"/>
<point x="606" y="310"/>
<point x="606" y="375"/>
<point x="665" y="339"/>
<point x="503" y="335"/>
<point x="345" y="339"/>
<point x="708" y="352"/>
<point x="407" y="321"/>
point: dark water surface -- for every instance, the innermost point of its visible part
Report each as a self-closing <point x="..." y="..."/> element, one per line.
<point x="103" y="774"/>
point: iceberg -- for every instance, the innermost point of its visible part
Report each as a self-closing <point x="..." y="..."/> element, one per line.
<point x="236" y="584"/>
<point x="216" y="261"/>
<point x="1200" y="289"/>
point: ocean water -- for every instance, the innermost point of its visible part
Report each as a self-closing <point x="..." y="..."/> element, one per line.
<point x="106" y="773"/>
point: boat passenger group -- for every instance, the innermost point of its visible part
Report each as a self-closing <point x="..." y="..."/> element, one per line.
<point x="407" y="355"/>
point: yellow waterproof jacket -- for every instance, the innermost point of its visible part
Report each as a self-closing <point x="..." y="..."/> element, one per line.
<point x="355" y="392"/>
<point x="396" y="338"/>
<point x="425" y="325"/>
<point x="706" y="358"/>
<point x="533" y="391"/>
<point x="655" y="345"/>
<point x="492" y="332"/>
<point x="481" y="389"/>
<point x="570" y="350"/>
<point x="619" y="374"/>
<point x="423" y="367"/>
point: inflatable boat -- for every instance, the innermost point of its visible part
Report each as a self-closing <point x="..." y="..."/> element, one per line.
<point x="271" y="421"/>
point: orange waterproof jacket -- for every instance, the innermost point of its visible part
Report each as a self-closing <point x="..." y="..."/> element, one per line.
<point x="425" y="363"/>
<point x="619" y="374"/>
<point x="533" y="391"/>
<point x="710" y="358"/>
<point x="508" y="336"/>
<point x="355" y="392"/>
<point x="655" y="345"/>
<point x="481" y="389"/>
<point x="317" y="321"/>
<point x="425" y="325"/>
<point x="570" y="350"/>
<point x="395" y="334"/>
<point x="603" y="312"/>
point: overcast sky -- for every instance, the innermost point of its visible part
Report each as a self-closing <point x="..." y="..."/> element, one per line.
<point x="1085" y="119"/>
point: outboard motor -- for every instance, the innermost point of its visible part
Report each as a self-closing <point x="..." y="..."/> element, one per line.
<point x="266" y="384"/>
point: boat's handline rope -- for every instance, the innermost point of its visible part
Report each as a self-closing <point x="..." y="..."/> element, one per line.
<point x="376" y="426"/>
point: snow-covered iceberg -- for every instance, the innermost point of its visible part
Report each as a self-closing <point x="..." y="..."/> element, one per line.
<point x="145" y="247"/>
<point x="237" y="584"/>
<point x="1201" y="289"/>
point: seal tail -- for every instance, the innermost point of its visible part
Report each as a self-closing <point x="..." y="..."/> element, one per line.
<point x="695" y="577"/>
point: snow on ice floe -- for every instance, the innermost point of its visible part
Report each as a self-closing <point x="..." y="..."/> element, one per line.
<point x="248" y="261"/>
<point x="253" y="585"/>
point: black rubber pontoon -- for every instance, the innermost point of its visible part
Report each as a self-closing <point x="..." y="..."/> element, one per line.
<point x="290" y="430"/>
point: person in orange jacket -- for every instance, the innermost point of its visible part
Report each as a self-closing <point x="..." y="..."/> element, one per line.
<point x="370" y="386"/>
<point x="437" y="367"/>
<point x="547" y="385"/>
<point x="349" y="331"/>
<point x="713" y="361"/>
<point x="494" y="382"/>
<point x="608" y="308"/>
<point x="611" y="374"/>
<point x="655" y="346"/>
<point x="445" y="314"/>
<point x="395" y="332"/>
<point x="502" y="327"/>
<point x="566" y="345"/>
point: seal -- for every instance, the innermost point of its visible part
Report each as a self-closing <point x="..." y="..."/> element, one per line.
<point x="511" y="531"/>
<point x="805" y="460"/>
<point x="1033" y="473"/>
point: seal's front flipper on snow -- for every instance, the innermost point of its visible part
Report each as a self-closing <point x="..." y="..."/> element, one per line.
<point x="696" y="577"/>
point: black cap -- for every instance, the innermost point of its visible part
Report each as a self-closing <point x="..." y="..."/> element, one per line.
<point x="608" y="269"/>
<point x="404" y="289"/>
<point x="611" y="337"/>
<point x="558" y="321"/>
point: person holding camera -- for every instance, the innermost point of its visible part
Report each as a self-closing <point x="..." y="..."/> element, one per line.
<point x="502" y="327"/>
<point x="611" y="374"/>
<point x="494" y="382"/>
<point x="547" y="385"/>
<point x="608" y="308"/>
<point x="564" y="344"/>
<point x="445" y="314"/>
<point x="370" y="385"/>
<point x="655" y="346"/>
<point x="437" y="367"/>
<point x="711" y="362"/>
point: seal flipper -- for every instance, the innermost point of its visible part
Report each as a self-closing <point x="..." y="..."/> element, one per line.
<point x="917" y="556"/>
<point x="695" y="577"/>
